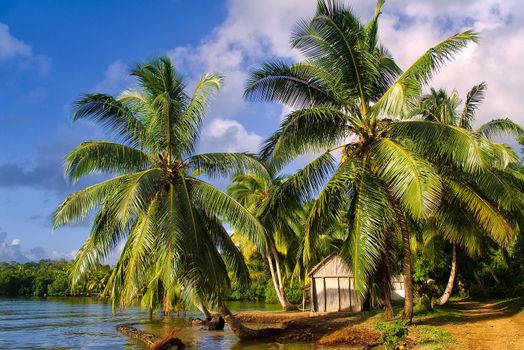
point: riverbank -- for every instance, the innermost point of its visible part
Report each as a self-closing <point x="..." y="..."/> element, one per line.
<point x="464" y="324"/>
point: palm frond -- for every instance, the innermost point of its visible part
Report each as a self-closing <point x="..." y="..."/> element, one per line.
<point x="310" y="130"/>
<point x="399" y="98"/>
<point x="484" y="212"/>
<point x="298" y="85"/>
<point x="501" y="127"/>
<point x="227" y="164"/>
<point x="113" y="115"/>
<point x="104" y="157"/>
<point x="191" y="119"/>
<point x="412" y="180"/>
<point x="474" y="98"/>
<point x="445" y="143"/>
<point x="216" y="202"/>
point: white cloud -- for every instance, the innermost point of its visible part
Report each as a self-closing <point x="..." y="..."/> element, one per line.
<point x="116" y="78"/>
<point x="227" y="135"/>
<point x="409" y="28"/>
<point x="255" y="31"/>
<point x="13" y="252"/>
<point x="12" y="48"/>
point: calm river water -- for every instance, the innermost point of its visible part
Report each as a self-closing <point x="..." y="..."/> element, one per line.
<point x="87" y="323"/>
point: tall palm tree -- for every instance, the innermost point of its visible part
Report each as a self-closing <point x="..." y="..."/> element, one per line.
<point x="281" y="223"/>
<point x="350" y="95"/>
<point x="502" y="200"/>
<point x="154" y="202"/>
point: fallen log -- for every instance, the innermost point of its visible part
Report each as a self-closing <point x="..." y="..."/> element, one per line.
<point x="153" y="342"/>
<point x="215" y="323"/>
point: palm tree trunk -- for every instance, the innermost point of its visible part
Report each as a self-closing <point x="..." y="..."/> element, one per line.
<point x="165" y="304"/>
<point x="451" y="281"/>
<point x="287" y="304"/>
<point x="244" y="332"/>
<point x="406" y="262"/>
<point x="276" y="277"/>
<point x="386" y="282"/>
<point x="203" y="309"/>
<point x="494" y="275"/>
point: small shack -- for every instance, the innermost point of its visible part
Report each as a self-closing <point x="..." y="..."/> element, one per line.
<point x="333" y="288"/>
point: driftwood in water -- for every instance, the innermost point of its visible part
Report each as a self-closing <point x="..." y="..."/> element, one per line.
<point x="215" y="323"/>
<point x="168" y="342"/>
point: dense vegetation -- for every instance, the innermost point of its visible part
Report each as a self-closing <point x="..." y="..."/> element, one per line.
<point x="401" y="182"/>
<point x="48" y="278"/>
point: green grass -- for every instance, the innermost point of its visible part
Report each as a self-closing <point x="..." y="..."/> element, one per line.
<point x="432" y="338"/>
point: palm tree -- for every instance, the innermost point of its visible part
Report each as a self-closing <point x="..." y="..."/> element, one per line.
<point x="453" y="220"/>
<point x="281" y="223"/>
<point x="349" y="95"/>
<point x="154" y="202"/>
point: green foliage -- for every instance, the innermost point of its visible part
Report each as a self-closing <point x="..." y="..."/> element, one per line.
<point x="423" y="306"/>
<point x="293" y="292"/>
<point x="154" y="202"/>
<point x="392" y="333"/>
<point x="433" y="338"/>
<point x="47" y="278"/>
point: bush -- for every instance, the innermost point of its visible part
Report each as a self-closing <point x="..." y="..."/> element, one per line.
<point x="423" y="306"/>
<point x="392" y="333"/>
<point x="294" y="293"/>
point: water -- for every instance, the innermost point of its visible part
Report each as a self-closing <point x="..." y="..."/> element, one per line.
<point x="87" y="323"/>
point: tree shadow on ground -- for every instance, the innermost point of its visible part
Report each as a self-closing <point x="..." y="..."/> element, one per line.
<point x="471" y="311"/>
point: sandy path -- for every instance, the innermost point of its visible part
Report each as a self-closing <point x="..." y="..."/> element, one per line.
<point x="488" y="326"/>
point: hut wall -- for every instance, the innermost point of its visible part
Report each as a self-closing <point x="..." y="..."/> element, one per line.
<point x="332" y="287"/>
<point x="397" y="288"/>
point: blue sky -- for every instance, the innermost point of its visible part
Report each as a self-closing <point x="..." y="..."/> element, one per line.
<point x="51" y="51"/>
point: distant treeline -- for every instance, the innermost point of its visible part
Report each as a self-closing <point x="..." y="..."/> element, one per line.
<point x="497" y="273"/>
<point x="47" y="278"/>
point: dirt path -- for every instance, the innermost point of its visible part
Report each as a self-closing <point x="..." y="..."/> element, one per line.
<point x="492" y="326"/>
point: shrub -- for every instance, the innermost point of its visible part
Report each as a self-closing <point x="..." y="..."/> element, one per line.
<point x="424" y="306"/>
<point x="293" y="293"/>
<point x="392" y="333"/>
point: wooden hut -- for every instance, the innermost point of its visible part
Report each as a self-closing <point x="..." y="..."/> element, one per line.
<point x="397" y="287"/>
<point x="333" y="290"/>
<point x="332" y="286"/>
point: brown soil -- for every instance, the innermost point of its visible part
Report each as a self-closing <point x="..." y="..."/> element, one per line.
<point x="476" y="326"/>
<point x="299" y="326"/>
<point x="494" y="326"/>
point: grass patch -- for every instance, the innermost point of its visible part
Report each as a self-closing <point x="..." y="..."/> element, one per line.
<point x="439" y="314"/>
<point x="514" y="304"/>
<point x="432" y="338"/>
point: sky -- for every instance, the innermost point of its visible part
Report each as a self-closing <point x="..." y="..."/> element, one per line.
<point x="51" y="51"/>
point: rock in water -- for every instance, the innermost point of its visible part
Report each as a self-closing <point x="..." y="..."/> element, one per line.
<point x="217" y="323"/>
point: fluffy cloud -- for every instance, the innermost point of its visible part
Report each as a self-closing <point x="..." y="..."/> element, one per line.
<point x="255" y="31"/>
<point x="10" y="46"/>
<point x="409" y="28"/>
<point x="10" y="251"/>
<point x="13" y="252"/>
<point x="116" y="78"/>
<point x="46" y="171"/>
<point x="227" y="135"/>
<point x="13" y="48"/>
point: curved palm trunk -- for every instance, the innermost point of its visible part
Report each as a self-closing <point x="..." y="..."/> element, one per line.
<point x="406" y="263"/>
<point x="204" y="310"/>
<point x="244" y="332"/>
<point x="165" y="304"/>
<point x="276" y="277"/>
<point x="386" y="282"/>
<point x="451" y="281"/>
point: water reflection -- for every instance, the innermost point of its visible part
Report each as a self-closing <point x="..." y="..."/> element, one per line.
<point x="87" y="323"/>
